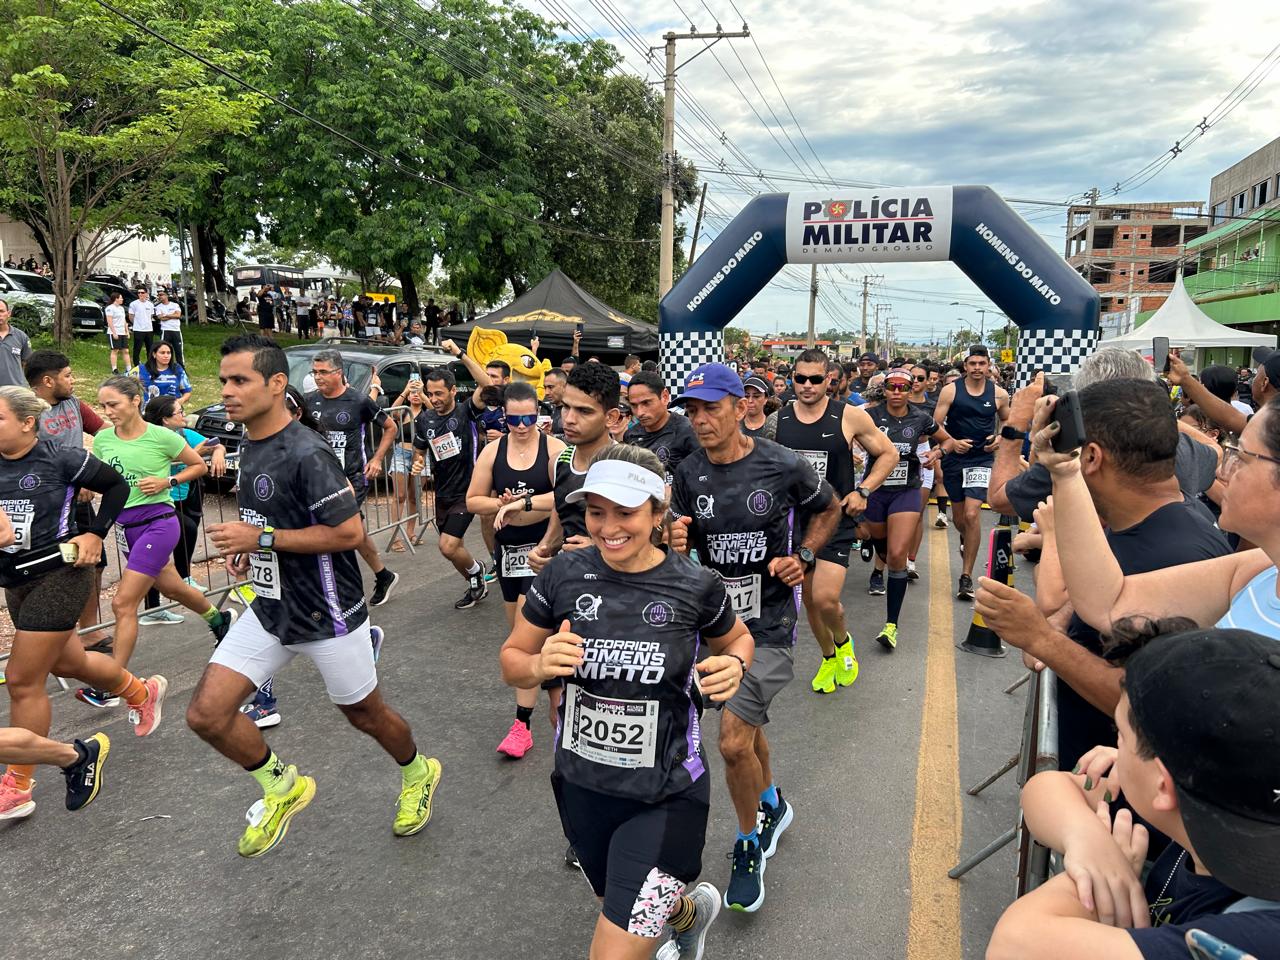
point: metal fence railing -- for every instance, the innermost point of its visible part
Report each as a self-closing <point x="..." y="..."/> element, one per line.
<point x="396" y="502"/>
<point x="1037" y="752"/>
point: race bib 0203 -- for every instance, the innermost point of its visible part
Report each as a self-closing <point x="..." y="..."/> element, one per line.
<point x="515" y="560"/>
<point x="616" y="733"/>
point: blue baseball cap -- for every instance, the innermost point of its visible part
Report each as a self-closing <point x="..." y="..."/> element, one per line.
<point x="711" y="382"/>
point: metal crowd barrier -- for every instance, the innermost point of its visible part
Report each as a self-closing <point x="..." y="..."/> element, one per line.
<point x="1037" y="752"/>
<point x="386" y="509"/>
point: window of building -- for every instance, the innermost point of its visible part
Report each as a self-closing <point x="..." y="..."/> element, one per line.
<point x="1165" y="272"/>
<point x="1165" y="236"/>
<point x="1219" y="211"/>
<point x="1120" y="301"/>
<point x="1260" y="193"/>
<point x="1237" y="203"/>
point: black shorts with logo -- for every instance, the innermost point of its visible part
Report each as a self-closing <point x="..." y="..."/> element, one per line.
<point x="453" y="518"/>
<point x="841" y="542"/>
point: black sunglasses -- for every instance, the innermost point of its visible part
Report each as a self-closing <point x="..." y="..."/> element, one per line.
<point x="521" y="419"/>
<point x="920" y="379"/>
<point x="816" y="378"/>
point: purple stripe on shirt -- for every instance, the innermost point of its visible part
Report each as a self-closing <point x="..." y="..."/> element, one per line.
<point x="329" y="586"/>
<point x="64" y="520"/>
<point x="797" y="590"/>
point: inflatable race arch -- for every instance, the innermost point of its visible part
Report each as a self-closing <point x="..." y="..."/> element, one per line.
<point x="1055" y="309"/>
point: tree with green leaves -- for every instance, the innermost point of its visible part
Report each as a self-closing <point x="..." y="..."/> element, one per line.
<point x="101" y="126"/>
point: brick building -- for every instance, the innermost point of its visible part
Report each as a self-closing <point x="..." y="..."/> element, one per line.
<point x="1130" y="252"/>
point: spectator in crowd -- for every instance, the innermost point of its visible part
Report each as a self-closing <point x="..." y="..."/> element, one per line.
<point x="170" y="316"/>
<point x="15" y="349"/>
<point x="142" y="314"/>
<point x="267" y="311"/>
<point x="1128" y="467"/>
<point x="1266" y="384"/>
<point x="630" y="367"/>
<point x="162" y="376"/>
<point x="553" y="385"/>
<point x="1221" y="380"/>
<point x="1196" y="757"/>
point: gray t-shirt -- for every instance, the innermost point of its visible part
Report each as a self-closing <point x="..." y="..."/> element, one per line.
<point x="1194" y="464"/>
<point x="15" y="348"/>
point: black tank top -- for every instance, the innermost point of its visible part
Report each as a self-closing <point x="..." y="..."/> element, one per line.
<point x="535" y="480"/>
<point x="970" y="417"/>
<point x="822" y="443"/>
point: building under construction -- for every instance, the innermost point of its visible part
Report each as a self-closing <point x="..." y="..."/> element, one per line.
<point x="1130" y="252"/>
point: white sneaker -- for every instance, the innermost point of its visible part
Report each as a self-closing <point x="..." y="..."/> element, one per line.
<point x="160" y="617"/>
<point x="193" y="582"/>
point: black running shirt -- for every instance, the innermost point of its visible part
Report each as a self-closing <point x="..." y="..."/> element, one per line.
<point x="674" y="441"/>
<point x="745" y="513"/>
<point x="452" y="441"/>
<point x="572" y="516"/>
<point x="629" y="718"/>
<point x="906" y="433"/>
<point x="343" y="420"/>
<point x="291" y="480"/>
<point x="38" y="492"/>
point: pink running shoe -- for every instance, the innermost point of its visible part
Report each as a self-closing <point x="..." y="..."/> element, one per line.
<point x="15" y="804"/>
<point x="145" y="717"/>
<point x="517" y="742"/>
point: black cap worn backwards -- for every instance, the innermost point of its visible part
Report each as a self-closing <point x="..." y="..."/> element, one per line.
<point x="1208" y="704"/>
<point x="978" y="350"/>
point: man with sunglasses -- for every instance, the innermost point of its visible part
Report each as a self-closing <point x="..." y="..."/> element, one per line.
<point x="344" y="415"/>
<point x="971" y="410"/>
<point x="823" y="431"/>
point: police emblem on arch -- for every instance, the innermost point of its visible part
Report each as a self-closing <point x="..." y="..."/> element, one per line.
<point x="760" y="502"/>
<point x="263" y="487"/>
<point x="29" y="482"/>
<point x="658" y="614"/>
<point x="342" y="417"/>
<point x="705" y="508"/>
<point x="587" y="607"/>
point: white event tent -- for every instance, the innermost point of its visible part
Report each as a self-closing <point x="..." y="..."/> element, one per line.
<point x="1186" y="325"/>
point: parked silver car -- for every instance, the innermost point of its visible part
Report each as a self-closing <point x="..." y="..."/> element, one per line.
<point x="31" y="300"/>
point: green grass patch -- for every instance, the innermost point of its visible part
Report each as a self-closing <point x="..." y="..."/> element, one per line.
<point x="91" y="360"/>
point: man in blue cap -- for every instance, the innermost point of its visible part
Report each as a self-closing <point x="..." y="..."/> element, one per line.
<point x="758" y="514"/>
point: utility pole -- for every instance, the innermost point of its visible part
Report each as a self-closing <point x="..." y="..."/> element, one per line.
<point x="813" y="303"/>
<point x="862" y="341"/>
<point x="666" y="255"/>
<point x="877" y="308"/>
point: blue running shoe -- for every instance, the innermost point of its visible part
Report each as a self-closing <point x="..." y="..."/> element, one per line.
<point x="376" y="636"/>
<point x="263" y="711"/>
<point x="746" y="880"/>
<point x="773" y="824"/>
<point x="97" y="698"/>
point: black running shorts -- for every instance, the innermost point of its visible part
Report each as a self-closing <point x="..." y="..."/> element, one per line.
<point x="453" y="518"/>
<point x="52" y="603"/>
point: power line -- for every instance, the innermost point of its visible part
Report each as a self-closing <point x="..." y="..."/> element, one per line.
<point x="377" y="155"/>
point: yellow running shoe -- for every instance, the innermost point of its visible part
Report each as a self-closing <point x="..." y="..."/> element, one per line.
<point x="888" y="636"/>
<point x="824" y="681"/>
<point x="269" y="817"/>
<point x="414" y="809"/>
<point x="846" y="662"/>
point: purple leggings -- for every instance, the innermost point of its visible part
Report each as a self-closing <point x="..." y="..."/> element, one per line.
<point x="151" y="531"/>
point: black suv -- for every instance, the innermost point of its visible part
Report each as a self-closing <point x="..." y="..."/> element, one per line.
<point x="394" y="366"/>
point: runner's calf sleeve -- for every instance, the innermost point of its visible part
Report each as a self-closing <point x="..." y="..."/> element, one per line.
<point x="942" y="504"/>
<point x="896" y="593"/>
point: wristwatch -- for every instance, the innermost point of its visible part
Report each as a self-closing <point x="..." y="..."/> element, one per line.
<point x="1012" y="433"/>
<point x="863" y="492"/>
<point x="806" y="557"/>
<point x="267" y="538"/>
<point x="528" y="502"/>
<point x="173" y="483"/>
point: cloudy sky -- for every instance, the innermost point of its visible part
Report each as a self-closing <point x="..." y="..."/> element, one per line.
<point x="1038" y="100"/>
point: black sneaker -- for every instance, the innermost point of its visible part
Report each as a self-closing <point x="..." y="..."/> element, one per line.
<point x="966" y="587"/>
<point x="876" y="586"/>
<point x="220" y="629"/>
<point x="746" y="879"/>
<point x="773" y="823"/>
<point x="866" y="550"/>
<point x="571" y="858"/>
<point x="477" y="590"/>
<point x="84" y="777"/>
<point x="383" y="584"/>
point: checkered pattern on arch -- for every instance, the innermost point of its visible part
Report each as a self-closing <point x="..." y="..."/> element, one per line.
<point x="684" y="352"/>
<point x="1053" y="351"/>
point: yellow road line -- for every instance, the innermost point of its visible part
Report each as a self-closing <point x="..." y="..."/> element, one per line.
<point x="933" y="929"/>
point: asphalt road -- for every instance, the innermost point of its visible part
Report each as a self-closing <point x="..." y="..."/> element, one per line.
<point x="150" y="870"/>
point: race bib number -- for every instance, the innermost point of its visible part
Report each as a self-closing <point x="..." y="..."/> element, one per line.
<point x="515" y="560"/>
<point x="264" y="572"/>
<point x="616" y="733"/>
<point x="977" y="476"/>
<point x="122" y="541"/>
<point x="744" y="595"/>
<point x="446" y="446"/>
<point x="21" y="531"/>
<point x="898" y="476"/>
<point x="338" y="442"/>
<point x="817" y="459"/>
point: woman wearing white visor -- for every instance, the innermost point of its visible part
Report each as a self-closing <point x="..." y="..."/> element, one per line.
<point x="622" y="622"/>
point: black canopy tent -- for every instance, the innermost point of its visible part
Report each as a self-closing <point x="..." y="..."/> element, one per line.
<point x="552" y="310"/>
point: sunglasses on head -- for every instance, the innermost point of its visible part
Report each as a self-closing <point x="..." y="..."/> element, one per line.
<point x="816" y="378"/>
<point x="521" y="419"/>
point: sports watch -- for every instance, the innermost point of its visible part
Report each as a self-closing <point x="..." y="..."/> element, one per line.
<point x="1012" y="433"/>
<point x="173" y="483"/>
<point x="806" y="557"/>
<point x="863" y="492"/>
<point x="267" y="538"/>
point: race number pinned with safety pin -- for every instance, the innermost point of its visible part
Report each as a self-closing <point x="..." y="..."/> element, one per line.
<point x="446" y="446"/>
<point x="744" y="595"/>
<point x="264" y="572"/>
<point x="977" y="476"/>
<point x="616" y="733"/>
<point x="515" y="560"/>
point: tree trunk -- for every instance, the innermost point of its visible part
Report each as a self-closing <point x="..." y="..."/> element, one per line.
<point x="197" y="267"/>
<point x="409" y="291"/>
<point x="220" y="245"/>
<point x="65" y="286"/>
<point x="204" y="248"/>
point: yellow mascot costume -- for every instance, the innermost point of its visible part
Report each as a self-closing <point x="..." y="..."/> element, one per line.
<point x="487" y="345"/>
